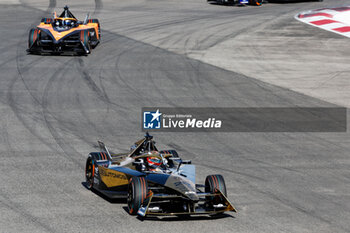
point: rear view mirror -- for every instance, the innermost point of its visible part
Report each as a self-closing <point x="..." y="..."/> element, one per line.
<point x="173" y="158"/>
<point x="183" y="162"/>
<point x="186" y="162"/>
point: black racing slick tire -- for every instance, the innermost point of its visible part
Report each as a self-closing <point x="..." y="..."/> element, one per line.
<point x="137" y="193"/>
<point x="212" y="184"/>
<point x="90" y="172"/>
<point x="99" y="27"/>
<point x="215" y="182"/>
<point x="33" y="37"/>
<point x="256" y="2"/>
<point x="47" y="20"/>
<point x="85" y="39"/>
<point x="172" y="152"/>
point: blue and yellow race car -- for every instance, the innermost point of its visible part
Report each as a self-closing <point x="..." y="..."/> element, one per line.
<point x="155" y="182"/>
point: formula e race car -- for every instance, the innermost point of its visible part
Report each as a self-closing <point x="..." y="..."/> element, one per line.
<point x="64" y="34"/>
<point x="238" y="2"/>
<point x="155" y="182"/>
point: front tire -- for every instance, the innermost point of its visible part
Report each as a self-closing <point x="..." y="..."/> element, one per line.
<point x="212" y="184"/>
<point x="33" y="37"/>
<point x="137" y="192"/>
<point x="85" y="39"/>
<point x="215" y="182"/>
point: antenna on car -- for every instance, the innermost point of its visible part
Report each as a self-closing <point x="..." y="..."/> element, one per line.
<point x="103" y="147"/>
<point x="66" y="11"/>
<point x="148" y="136"/>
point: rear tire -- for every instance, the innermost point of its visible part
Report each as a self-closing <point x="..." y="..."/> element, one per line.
<point x="85" y="38"/>
<point x="256" y="2"/>
<point x="47" y="20"/>
<point x="137" y="192"/>
<point x="90" y="172"/>
<point x="172" y="152"/>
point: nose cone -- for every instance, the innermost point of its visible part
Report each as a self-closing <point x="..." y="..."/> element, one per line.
<point x="183" y="185"/>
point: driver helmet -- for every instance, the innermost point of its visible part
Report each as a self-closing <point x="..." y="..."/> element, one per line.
<point x="67" y="22"/>
<point x="58" y="22"/>
<point x="154" y="162"/>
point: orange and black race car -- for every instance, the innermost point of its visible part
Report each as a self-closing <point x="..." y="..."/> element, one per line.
<point x="64" y="34"/>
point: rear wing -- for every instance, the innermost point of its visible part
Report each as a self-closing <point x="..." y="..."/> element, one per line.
<point x="104" y="148"/>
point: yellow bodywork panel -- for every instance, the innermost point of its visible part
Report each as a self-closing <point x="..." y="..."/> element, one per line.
<point x="112" y="178"/>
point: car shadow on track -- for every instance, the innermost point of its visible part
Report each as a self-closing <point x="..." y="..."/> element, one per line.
<point x="67" y="54"/>
<point x="106" y="198"/>
<point x="291" y="1"/>
<point x="181" y="217"/>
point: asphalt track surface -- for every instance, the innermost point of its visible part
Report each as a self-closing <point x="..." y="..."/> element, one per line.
<point x="55" y="108"/>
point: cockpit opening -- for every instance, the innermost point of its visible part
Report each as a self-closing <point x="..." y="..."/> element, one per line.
<point x="64" y="23"/>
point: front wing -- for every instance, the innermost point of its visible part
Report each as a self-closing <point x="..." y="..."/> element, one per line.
<point x="147" y="209"/>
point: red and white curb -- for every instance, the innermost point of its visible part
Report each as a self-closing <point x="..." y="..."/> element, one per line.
<point x="335" y="19"/>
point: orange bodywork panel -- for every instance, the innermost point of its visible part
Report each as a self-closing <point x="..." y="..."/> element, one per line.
<point x="59" y="35"/>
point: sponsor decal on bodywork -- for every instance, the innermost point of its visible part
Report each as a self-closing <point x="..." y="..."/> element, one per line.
<point x="182" y="185"/>
<point x="112" y="178"/>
